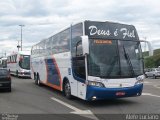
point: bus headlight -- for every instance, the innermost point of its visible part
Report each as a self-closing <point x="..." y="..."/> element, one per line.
<point x="139" y="79"/>
<point x="94" y="83"/>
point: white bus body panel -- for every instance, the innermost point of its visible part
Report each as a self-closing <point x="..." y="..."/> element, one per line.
<point x="114" y="83"/>
<point x="82" y="90"/>
<point x="63" y="62"/>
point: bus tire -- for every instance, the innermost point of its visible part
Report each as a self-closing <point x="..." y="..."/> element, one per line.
<point x="17" y="73"/>
<point x="67" y="89"/>
<point x="38" y="80"/>
<point x="154" y="76"/>
<point x="35" y="78"/>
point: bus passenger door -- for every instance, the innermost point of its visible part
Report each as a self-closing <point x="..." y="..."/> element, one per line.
<point x="79" y="73"/>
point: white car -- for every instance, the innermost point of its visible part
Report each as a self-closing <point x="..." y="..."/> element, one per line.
<point x="153" y="72"/>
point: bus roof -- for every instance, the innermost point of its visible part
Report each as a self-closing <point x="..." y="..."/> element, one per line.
<point x="25" y="52"/>
<point x="4" y="58"/>
<point x="21" y="52"/>
<point x="124" y="31"/>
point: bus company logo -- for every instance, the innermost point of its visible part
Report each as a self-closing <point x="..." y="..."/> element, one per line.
<point x="101" y="32"/>
<point x="127" y="33"/>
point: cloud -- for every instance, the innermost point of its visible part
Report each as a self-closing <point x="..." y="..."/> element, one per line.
<point x="7" y="7"/>
<point x="45" y="17"/>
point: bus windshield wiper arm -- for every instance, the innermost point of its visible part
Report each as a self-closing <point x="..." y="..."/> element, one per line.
<point x="128" y="61"/>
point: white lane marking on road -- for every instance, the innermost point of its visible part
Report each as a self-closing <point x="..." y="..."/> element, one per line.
<point x="146" y="82"/>
<point x="149" y="94"/>
<point x="84" y="113"/>
<point x="157" y="86"/>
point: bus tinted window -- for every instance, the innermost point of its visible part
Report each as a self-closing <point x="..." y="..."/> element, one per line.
<point x="55" y="44"/>
<point x="25" y="62"/>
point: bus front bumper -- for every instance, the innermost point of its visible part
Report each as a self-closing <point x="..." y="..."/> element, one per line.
<point x="24" y="74"/>
<point x="97" y="93"/>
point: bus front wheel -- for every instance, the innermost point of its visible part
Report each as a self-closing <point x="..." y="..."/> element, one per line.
<point x="67" y="90"/>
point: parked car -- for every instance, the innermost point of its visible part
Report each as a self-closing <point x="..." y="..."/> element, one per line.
<point x="5" y="79"/>
<point x="153" y="72"/>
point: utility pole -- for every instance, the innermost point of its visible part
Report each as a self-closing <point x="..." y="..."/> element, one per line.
<point x="5" y="54"/>
<point x="145" y="38"/>
<point x="18" y="46"/>
<point x="21" y="35"/>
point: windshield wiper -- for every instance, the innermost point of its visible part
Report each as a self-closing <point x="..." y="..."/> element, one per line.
<point x="128" y="61"/>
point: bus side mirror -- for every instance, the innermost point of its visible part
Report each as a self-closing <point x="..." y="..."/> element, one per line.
<point x="85" y="44"/>
<point x="150" y="48"/>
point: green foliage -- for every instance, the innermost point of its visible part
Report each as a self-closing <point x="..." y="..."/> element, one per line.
<point x="145" y="53"/>
<point x="157" y="51"/>
<point x="149" y="62"/>
<point x="152" y="61"/>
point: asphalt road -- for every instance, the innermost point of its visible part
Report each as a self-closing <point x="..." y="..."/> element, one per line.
<point x="27" y="98"/>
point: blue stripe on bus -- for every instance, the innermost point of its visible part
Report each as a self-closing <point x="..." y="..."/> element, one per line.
<point x="52" y="75"/>
<point x="82" y="80"/>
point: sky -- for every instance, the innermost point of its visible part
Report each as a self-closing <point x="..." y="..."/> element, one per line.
<point x="43" y="18"/>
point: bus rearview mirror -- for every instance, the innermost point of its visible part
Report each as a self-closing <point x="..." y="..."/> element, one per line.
<point x="150" y="48"/>
<point x="85" y="44"/>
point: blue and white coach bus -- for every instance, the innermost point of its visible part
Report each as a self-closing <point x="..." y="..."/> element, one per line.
<point x="91" y="60"/>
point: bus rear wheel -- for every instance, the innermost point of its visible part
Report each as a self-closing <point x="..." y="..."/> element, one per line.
<point x="67" y="90"/>
<point x="37" y="81"/>
<point x="35" y="78"/>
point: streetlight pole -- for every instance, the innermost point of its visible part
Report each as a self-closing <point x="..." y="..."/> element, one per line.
<point x="18" y="46"/>
<point x="21" y="35"/>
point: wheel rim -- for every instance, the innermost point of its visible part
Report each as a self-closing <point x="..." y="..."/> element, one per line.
<point x="67" y="89"/>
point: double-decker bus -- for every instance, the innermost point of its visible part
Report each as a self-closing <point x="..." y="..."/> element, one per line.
<point x="91" y="60"/>
<point x="19" y="64"/>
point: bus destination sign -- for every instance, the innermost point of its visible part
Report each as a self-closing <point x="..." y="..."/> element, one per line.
<point x="109" y="30"/>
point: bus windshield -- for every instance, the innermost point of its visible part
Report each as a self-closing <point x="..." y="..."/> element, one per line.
<point x="115" y="59"/>
<point x="24" y="62"/>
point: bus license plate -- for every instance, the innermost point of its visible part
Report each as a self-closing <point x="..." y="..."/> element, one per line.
<point x="120" y="93"/>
